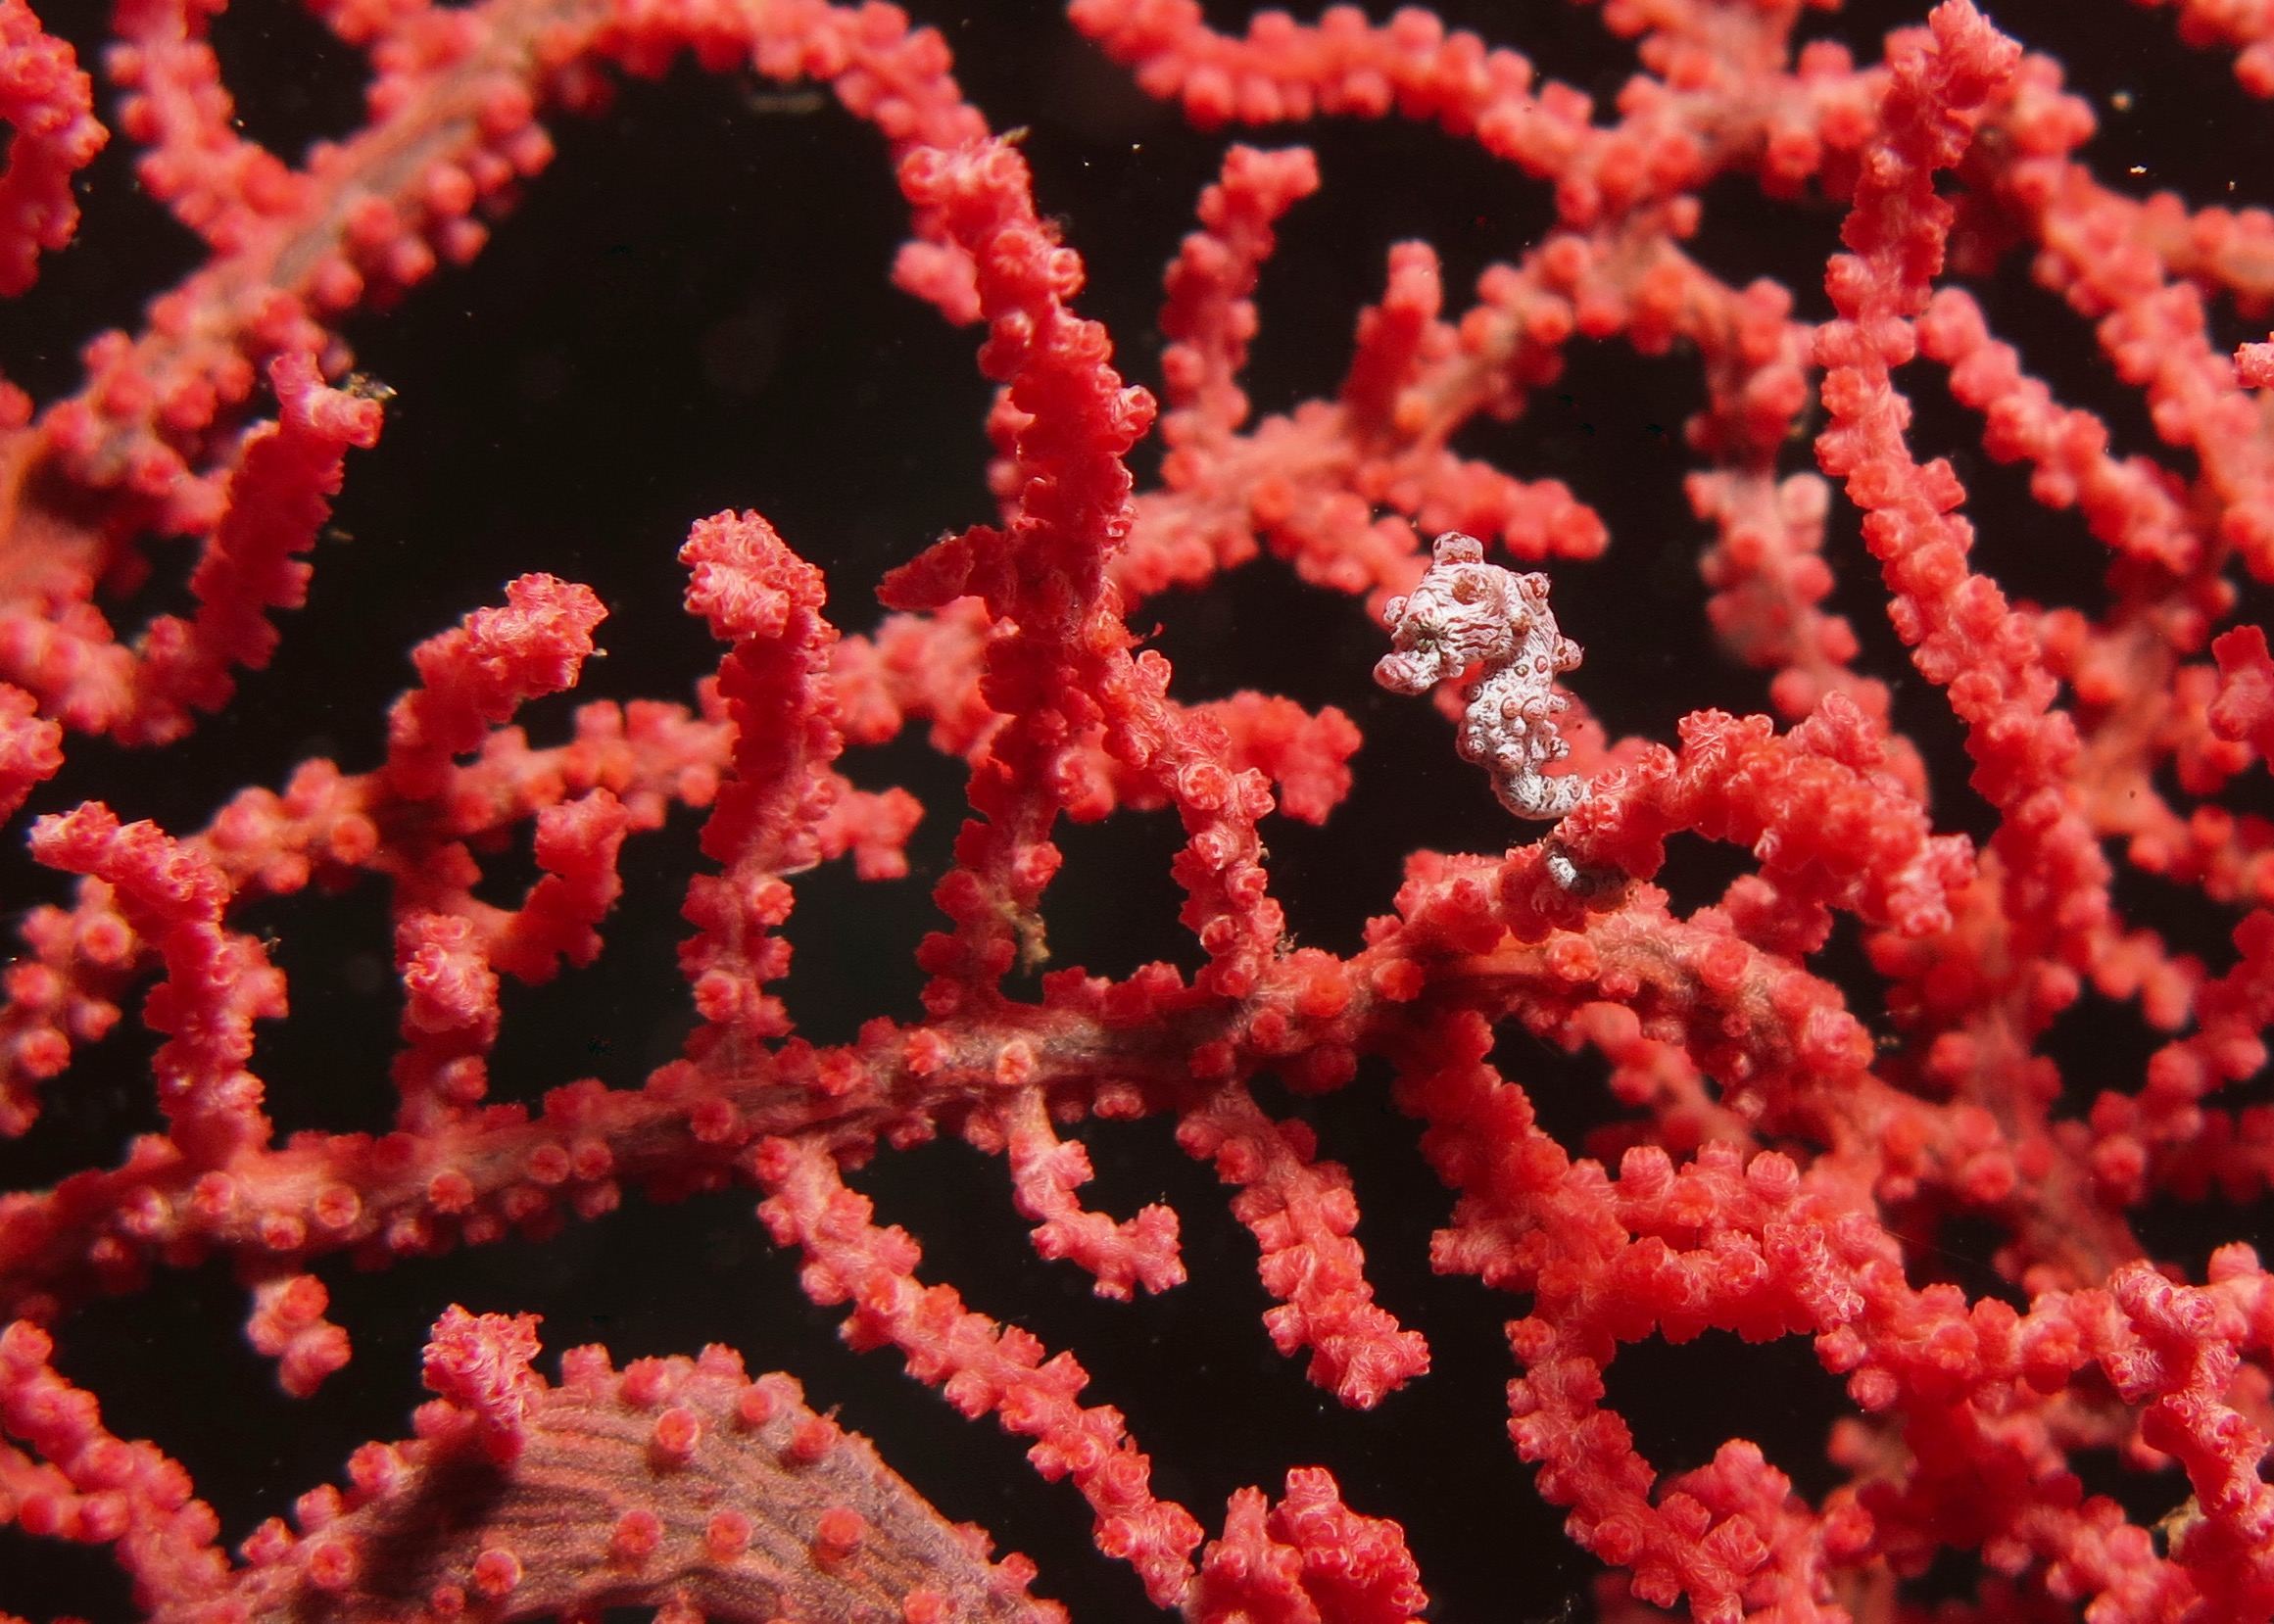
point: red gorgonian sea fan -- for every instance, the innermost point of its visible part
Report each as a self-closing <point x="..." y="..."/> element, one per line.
<point x="1858" y="1188"/>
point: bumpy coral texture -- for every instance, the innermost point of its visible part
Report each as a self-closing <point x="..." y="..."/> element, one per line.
<point x="1840" y="1106"/>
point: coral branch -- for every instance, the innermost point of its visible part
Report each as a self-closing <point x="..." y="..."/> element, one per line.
<point x="678" y="1484"/>
<point x="1921" y="1079"/>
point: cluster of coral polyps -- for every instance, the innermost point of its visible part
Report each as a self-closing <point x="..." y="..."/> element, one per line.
<point x="1786" y="1147"/>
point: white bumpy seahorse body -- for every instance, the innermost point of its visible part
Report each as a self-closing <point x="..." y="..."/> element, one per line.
<point x="1464" y="612"/>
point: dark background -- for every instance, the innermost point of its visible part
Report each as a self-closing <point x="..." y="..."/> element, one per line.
<point x="690" y="312"/>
